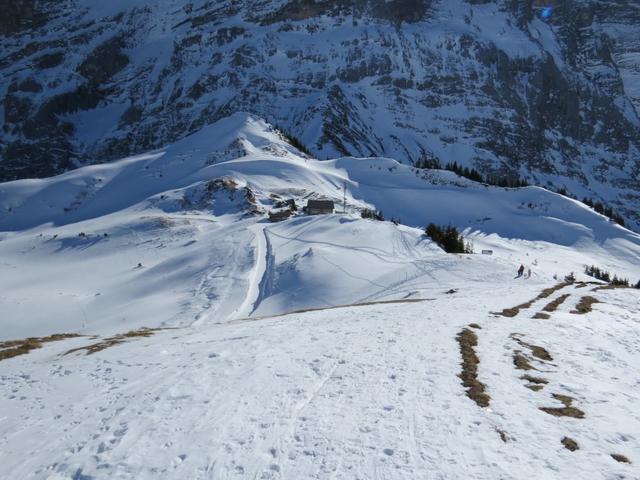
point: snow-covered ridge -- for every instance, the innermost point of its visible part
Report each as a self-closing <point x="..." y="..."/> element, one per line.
<point x="181" y="235"/>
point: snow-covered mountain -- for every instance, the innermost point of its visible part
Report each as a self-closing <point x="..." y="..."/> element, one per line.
<point x="485" y="83"/>
<point x="402" y="368"/>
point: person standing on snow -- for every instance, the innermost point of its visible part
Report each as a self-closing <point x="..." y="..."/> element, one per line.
<point x="520" y="270"/>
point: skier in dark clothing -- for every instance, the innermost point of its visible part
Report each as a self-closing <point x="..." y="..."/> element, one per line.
<point x="520" y="270"/>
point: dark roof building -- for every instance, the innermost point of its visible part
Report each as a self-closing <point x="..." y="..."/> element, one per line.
<point x="279" y="216"/>
<point x="319" y="207"/>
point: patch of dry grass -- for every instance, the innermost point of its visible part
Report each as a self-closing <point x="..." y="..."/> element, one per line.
<point x="541" y="316"/>
<point x="14" y="348"/>
<point x="535" y="388"/>
<point x="535" y="383"/>
<point x="540" y="353"/>
<point x="468" y="340"/>
<point x="620" y="458"/>
<point x="537" y="351"/>
<point x="553" y="305"/>
<point x="610" y="286"/>
<point x="585" y="304"/>
<point x="547" y="292"/>
<point x="513" y="311"/>
<point x="475" y="325"/>
<point x="115" y="340"/>
<point x="567" y="411"/>
<point x="521" y="362"/>
<point x="570" y="444"/>
<point x="536" y="380"/>
<point x="564" y="412"/>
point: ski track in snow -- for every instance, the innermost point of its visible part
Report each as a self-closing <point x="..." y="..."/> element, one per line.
<point x="266" y="282"/>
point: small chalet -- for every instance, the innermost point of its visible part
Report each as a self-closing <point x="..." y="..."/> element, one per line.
<point x="280" y="215"/>
<point x="319" y="207"/>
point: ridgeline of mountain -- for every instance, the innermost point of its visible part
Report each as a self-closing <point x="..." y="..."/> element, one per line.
<point x="488" y="84"/>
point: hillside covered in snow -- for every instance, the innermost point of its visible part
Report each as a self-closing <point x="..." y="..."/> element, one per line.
<point x="490" y="84"/>
<point x="181" y="235"/>
<point x="156" y="324"/>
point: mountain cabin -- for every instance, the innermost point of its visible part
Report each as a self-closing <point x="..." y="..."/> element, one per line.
<point x="319" y="207"/>
<point x="280" y="215"/>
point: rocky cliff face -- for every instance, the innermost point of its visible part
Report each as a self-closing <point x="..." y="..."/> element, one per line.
<point x="485" y="83"/>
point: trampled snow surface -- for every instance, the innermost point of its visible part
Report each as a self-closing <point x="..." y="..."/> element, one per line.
<point x="179" y="238"/>
<point x="351" y="393"/>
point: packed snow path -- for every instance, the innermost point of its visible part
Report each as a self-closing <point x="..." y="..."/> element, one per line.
<point x="351" y="393"/>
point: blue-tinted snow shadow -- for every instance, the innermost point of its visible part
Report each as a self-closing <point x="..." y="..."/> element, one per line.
<point x="78" y="243"/>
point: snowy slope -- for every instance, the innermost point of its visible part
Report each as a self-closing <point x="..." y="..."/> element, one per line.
<point x="357" y="392"/>
<point x="364" y="386"/>
<point x="207" y="253"/>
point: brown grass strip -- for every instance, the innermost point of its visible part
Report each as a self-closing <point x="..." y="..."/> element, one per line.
<point x="14" y="348"/>
<point x="584" y="305"/>
<point x="536" y="380"/>
<point x="547" y="292"/>
<point x="513" y="311"/>
<point x="115" y="340"/>
<point x="540" y="353"/>
<point x="535" y="383"/>
<point x="566" y="400"/>
<point x="564" y="412"/>
<point x="468" y="340"/>
<point x="620" y="458"/>
<point x="537" y="351"/>
<point x="567" y="411"/>
<point x="610" y="286"/>
<point x="541" y="316"/>
<point x="553" y="305"/>
<point x="570" y="444"/>
<point x="521" y="362"/>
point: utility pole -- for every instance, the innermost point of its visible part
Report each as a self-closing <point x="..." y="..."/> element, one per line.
<point x="344" y="198"/>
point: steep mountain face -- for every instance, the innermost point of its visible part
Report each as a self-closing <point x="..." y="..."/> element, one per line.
<point x="489" y="84"/>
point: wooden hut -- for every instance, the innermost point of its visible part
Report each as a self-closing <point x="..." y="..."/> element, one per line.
<point x="319" y="207"/>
